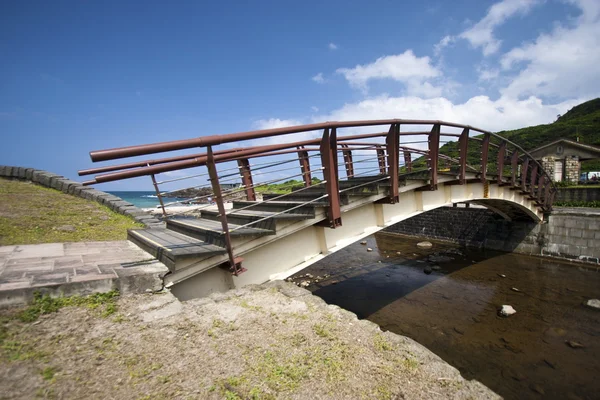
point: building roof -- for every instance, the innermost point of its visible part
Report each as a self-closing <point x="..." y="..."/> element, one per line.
<point x="594" y="150"/>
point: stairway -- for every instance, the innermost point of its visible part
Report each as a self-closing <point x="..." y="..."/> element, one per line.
<point x="188" y="240"/>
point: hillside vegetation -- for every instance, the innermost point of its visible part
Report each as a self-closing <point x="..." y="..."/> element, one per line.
<point x="582" y="121"/>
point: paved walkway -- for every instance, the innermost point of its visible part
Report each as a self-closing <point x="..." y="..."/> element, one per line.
<point x="76" y="268"/>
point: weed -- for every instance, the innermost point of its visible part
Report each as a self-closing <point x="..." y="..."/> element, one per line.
<point x="381" y="343"/>
<point x="44" y="304"/>
<point x="322" y="331"/>
<point x="15" y="350"/>
<point x="48" y="373"/>
<point x="248" y="306"/>
<point x="410" y="363"/>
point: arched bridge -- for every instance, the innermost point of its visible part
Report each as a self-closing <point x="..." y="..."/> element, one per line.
<point x="268" y="204"/>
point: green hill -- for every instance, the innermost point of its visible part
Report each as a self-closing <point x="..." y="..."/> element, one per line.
<point x="581" y="121"/>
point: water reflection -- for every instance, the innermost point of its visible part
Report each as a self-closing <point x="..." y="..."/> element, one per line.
<point x="453" y="311"/>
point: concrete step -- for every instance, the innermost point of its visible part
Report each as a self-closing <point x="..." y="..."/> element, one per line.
<point x="243" y="217"/>
<point x="210" y="231"/>
<point x="289" y="207"/>
<point x="302" y="197"/>
<point x="169" y="246"/>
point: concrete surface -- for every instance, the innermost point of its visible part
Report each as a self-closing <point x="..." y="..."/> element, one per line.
<point x="76" y="268"/>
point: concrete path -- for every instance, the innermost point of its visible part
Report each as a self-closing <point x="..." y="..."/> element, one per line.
<point x="76" y="268"/>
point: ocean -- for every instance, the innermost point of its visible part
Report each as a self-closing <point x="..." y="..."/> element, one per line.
<point x="141" y="199"/>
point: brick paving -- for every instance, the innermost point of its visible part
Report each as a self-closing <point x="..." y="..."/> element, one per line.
<point x="82" y="267"/>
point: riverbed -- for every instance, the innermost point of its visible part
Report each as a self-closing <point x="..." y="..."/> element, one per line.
<point x="447" y="298"/>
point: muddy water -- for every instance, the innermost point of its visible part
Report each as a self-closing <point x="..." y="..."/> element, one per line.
<point x="549" y="349"/>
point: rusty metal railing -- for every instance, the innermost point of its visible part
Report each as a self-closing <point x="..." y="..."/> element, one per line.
<point x="353" y="157"/>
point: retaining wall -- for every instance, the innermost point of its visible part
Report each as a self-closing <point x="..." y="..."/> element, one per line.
<point x="567" y="233"/>
<point x="578" y="194"/>
<point x="74" y="188"/>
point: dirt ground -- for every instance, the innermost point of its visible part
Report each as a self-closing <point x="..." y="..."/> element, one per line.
<point x="262" y="342"/>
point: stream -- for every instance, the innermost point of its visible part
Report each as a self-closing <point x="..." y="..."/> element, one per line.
<point x="447" y="298"/>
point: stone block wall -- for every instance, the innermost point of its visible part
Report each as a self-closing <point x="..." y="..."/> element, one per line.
<point x="567" y="233"/>
<point x="580" y="193"/>
<point x="74" y="188"/>
<point x="572" y="169"/>
<point x="548" y="164"/>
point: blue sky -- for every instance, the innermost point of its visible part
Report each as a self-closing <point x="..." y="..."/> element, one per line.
<point x="78" y="76"/>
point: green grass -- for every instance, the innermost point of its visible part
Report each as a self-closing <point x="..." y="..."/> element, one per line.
<point x="283" y="188"/>
<point x="44" y="304"/>
<point x="31" y="214"/>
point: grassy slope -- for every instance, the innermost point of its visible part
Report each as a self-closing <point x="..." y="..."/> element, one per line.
<point x="32" y="214"/>
<point x="582" y="120"/>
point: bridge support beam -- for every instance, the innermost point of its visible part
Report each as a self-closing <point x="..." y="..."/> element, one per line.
<point x="329" y="162"/>
<point x="244" y="166"/>
<point x="434" y="150"/>
<point x="463" y="142"/>
<point x="485" y="146"/>
<point x="304" y="166"/>
<point x="393" y="152"/>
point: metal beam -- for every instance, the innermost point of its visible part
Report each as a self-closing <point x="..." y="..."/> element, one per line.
<point x="330" y="168"/>
<point x="304" y="166"/>
<point x="234" y="265"/>
<point x="434" y="150"/>
<point x="485" y="147"/>
<point x="392" y="142"/>
<point x="244" y="166"/>
<point x="501" y="156"/>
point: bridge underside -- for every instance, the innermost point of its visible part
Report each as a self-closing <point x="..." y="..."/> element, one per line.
<point x="296" y="244"/>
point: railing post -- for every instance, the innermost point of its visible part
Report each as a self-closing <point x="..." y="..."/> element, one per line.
<point x="160" y="200"/>
<point x="347" y="153"/>
<point x="524" y="169"/>
<point x="514" y="166"/>
<point x="234" y="264"/>
<point x="328" y="150"/>
<point x="434" y="150"/>
<point x="381" y="160"/>
<point x="392" y="142"/>
<point x="532" y="179"/>
<point x="541" y="187"/>
<point x="485" y="147"/>
<point x="244" y="166"/>
<point x="463" y="143"/>
<point x="501" y="157"/>
<point x="547" y="190"/>
<point x="407" y="161"/>
<point x="304" y="166"/>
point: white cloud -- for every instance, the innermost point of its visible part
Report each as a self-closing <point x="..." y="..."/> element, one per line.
<point x="479" y="111"/>
<point x="442" y="44"/>
<point x="315" y="109"/>
<point x="332" y="46"/>
<point x="487" y="74"/>
<point x="273" y="123"/>
<point x="405" y="67"/>
<point x="482" y="33"/>
<point x="318" y="78"/>
<point x="562" y="63"/>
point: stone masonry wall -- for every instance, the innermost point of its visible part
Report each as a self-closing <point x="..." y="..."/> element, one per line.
<point x="578" y="194"/>
<point x="548" y="164"/>
<point x="567" y="233"/>
<point x="572" y="169"/>
<point x="74" y="188"/>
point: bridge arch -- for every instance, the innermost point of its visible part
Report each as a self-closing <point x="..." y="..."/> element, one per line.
<point x="350" y="185"/>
